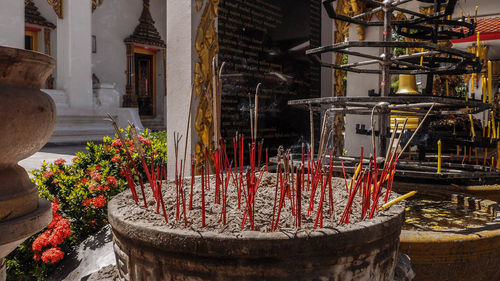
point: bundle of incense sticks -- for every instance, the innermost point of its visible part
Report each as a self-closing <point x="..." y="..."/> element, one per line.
<point x="314" y="177"/>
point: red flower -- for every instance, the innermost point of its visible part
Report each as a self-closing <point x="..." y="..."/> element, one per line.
<point x="86" y="202"/>
<point x="75" y="159"/>
<point x="82" y="181"/>
<point x="145" y="141"/>
<point x="59" y="161"/>
<point x="52" y="255"/>
<point x="41" y="241"/>
<point x="99" y="201"/>
<point x="107" y="148"/>
<point x="47" y="174"/>
<point x="37" y="256"/>
<point x="115" y="158"/>
<point x="97" y="167"/>
<point x="117" y="142"/>
<point x="112" y="180"/>
<point x="95" y="175"/>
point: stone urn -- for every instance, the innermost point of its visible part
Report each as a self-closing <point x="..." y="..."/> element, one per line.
<point x="145" y="250"/>
<point x="27" y="120"/>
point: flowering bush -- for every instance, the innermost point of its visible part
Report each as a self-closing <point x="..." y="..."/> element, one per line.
<point x="79" y="193"/>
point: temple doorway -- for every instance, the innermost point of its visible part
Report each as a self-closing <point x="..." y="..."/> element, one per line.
<point x="145" y="84"/>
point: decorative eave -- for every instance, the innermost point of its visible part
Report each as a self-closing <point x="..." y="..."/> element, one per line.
<point x="145" y="33"/>
<point x="57" y="5"/>
<point x="33" y="16"/>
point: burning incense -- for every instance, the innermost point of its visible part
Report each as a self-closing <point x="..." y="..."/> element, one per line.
<point x="256" y="108"/>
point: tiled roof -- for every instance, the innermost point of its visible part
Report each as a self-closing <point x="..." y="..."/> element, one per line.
<point x="33" y="16"/>
<point x="488" y="24"/>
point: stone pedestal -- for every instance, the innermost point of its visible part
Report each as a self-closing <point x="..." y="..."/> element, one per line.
<point x="28" y="118"/>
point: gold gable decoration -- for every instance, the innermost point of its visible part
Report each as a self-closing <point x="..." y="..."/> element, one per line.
<point x="95" y="4"/>
<point x="57" y="5"/>
<point x="207" y="47"/>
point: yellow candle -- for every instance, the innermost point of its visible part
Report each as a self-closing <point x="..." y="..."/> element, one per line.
<point x="498" y="153"/>
<point x="477" y="45"/>
<point x="490" y="80"/>
<point x="498" y="130"/>
<point x="489" y="128"/>
<point x="447" y="88"/>
<point x="475" y="14"/>
<point x="458" y="150"/>
<point x="492" y="161"/>
<point x="468" y="17"/>
<point x="439" y="157"/>
<point x="400" y="198"/>
<point x="422" y="57"/>
<point x="493" y="130"/>
<point x="461" y="14"/>
<point x="472" y="126"/>
<point x="483" y="88"/>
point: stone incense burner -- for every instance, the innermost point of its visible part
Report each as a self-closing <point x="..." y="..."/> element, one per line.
<point x="146" y="249"/>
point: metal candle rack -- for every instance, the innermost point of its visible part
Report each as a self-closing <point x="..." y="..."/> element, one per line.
<point x="432" y="59"/>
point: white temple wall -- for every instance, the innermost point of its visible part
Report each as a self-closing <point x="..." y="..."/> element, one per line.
<point x="12" y="23"/>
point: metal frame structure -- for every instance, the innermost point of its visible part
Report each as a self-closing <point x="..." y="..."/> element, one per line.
<point x="432" y="59"/>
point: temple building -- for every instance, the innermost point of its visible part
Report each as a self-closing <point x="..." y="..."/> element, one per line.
<point x="142" y="60"/>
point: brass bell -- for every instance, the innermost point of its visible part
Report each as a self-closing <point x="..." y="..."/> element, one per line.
<point x="407" y="85"/>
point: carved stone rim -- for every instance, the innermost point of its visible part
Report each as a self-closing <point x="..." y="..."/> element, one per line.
<point x="25" y="68"/>
<point x="253" y="243"/>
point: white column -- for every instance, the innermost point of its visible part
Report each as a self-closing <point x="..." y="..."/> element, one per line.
<point x="74" y="72"/>
<point x="12" y="23"/>
<point x="358" y="84"/>
<point x="181" y="31"/>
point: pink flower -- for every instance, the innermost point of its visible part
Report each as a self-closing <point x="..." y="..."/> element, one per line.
<point x="47" y="174"/>
<point x="59" y="161"/>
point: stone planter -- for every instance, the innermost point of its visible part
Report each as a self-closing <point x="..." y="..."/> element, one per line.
<point x="362" y="251"/>
<point x="27" y="120"/>
<point x="470" y="254"/>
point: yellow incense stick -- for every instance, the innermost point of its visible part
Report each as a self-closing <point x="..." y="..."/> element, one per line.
<point x="490" y="80"/>
<point x="447" y="88"/>
<point x="439" y="157"/>
<point x="355" y="176"/>
<point x="422" y="57"/>
<point x="400" y="198"/>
